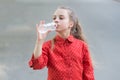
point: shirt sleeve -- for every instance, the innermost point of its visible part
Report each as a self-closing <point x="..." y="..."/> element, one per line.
<point x="42" y="60"/>
<point x="88" y="71"/>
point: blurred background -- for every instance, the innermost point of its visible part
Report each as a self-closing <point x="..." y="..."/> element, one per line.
<point x="100" y="20"/>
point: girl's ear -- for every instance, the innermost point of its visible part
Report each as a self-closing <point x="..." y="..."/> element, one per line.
<point x="71" y="23"/>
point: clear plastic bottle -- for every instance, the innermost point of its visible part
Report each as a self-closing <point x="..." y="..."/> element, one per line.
<point x="46" y="27"/>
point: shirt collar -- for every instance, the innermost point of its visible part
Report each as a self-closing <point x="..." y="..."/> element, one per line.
<point x="60" y="39"/>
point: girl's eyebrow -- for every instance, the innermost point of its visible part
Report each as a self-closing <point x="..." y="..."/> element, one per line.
<point x="59" y="15"/>
<point x="53" y="16"/>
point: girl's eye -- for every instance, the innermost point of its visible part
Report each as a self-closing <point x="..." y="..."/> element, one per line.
<point x="61" y="18"/>
<point x="54" y="18"/>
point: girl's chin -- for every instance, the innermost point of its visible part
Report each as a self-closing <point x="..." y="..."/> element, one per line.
<point x="60" y="30"/>
<point x="57" y="29"/>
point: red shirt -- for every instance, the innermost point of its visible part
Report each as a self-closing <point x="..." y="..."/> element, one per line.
<point x="69" y="60"/>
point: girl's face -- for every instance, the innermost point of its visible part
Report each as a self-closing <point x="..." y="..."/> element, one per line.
<point x="61" y="18"/>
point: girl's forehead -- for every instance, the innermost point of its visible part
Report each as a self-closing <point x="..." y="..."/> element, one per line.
<point x="61" y="12"/>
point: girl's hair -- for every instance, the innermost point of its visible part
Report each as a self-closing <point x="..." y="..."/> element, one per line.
<point x="76" y="30"/>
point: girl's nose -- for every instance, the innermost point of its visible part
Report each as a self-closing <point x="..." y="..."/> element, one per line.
<point x="56" y="20"/>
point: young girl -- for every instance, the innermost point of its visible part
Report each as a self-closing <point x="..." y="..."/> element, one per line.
<point x="66" y="56"/>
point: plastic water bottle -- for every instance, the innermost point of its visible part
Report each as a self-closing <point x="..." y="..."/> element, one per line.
<point x="47" y="27"/>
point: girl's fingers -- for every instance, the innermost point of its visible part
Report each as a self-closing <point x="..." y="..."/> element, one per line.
<point x="40" y="27"/>
<point x="41" y="23"/>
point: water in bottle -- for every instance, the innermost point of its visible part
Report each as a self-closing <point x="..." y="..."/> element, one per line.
<point x="47" y="27"/>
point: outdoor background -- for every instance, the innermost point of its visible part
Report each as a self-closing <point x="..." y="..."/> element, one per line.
<point x="100" y="20"/>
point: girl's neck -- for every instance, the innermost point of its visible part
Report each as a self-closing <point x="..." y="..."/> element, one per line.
<point x="64" y="35"/>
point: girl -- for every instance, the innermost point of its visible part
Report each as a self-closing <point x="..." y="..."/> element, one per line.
<point x="66" y="56"/>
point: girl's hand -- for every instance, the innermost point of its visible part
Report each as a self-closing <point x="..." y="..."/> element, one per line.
<point x="41" y="36"/>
